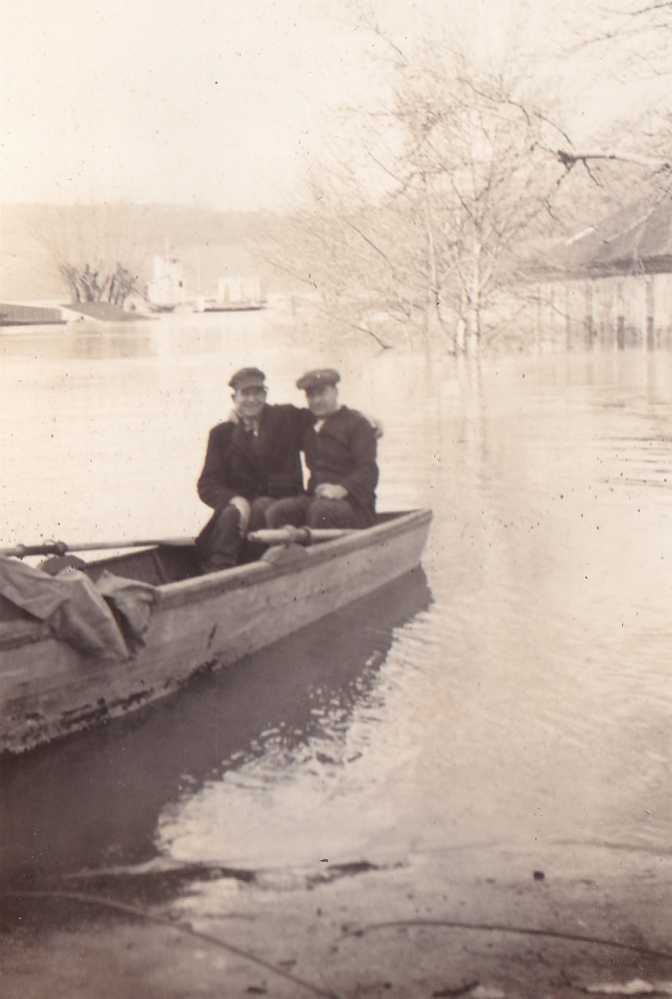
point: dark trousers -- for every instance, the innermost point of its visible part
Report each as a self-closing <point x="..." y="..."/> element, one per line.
<point x="219" y="545"/>
<point x="313" y="512"/>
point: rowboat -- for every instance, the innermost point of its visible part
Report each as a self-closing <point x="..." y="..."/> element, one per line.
<point x="50" y="689"/>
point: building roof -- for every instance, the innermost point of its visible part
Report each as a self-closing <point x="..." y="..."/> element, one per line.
<point x="635" y="240"/>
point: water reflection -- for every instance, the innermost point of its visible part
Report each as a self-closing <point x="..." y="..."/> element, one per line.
<point x="179" y="334"/>
<point x="108" y="798"/>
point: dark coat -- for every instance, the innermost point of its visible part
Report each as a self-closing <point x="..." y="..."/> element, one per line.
<point x="343" y="452"/>
<point x="239" y="464"/>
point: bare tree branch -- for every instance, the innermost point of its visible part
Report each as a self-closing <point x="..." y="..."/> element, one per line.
<point x="590" y="173"/>
<point x="370" y="243"/>
<point x="356" y="326"/>
<point x="663" y="5"/>
<point x="568" y="157"/>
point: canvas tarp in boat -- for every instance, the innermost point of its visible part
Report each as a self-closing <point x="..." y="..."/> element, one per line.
<point x="106" y="619"/>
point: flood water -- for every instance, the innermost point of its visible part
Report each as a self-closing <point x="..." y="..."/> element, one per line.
<point x="516" y="691"/>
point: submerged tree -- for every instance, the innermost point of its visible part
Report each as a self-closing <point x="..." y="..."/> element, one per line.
<point x="88" y="285"/>
<point x="97" y="250"/>
<point x="426" y="226"/>
<point x="476" y="159"/>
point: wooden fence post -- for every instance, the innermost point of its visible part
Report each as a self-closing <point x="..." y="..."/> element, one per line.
<point x="620" y="315"/>
<point x="568" y="317"/>
<point x="650" y="335"/>
<point x="588" y="320"/>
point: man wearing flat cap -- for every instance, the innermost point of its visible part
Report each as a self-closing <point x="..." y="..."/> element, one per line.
<point x="340" y="450"/>
<point x="251" y="461"/>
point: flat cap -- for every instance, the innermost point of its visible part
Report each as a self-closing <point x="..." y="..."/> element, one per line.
<point x="317" y="378"/>
<point x="246" y="377"/>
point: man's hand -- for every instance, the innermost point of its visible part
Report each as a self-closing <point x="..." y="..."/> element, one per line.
<point x="331" y="490"/>
<point x="244" y="509"/>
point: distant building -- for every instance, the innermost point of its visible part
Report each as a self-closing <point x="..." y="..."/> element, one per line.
<point x="166" y="288"/>
<point x="614" y="279"/>
<point x="237" y="289"/>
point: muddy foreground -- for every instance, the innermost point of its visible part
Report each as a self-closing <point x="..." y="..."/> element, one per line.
<point x="485" y="922"/>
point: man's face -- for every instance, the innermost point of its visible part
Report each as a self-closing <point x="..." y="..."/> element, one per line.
<point x="249" y="401"/>
<point x="322" y="399"/>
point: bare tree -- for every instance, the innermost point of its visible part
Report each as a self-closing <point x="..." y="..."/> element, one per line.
<point x="97" y="250"/>
<point x="423" y="228"/>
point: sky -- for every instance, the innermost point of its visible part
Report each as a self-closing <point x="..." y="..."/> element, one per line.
<point x="212" y="102"/>
<point x="226" y="104"/>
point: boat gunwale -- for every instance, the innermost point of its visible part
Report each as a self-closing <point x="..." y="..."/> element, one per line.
<point x="187" y="590"/>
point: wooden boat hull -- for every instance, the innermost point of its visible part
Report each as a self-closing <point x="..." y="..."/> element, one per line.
<point x="48" y="689"/>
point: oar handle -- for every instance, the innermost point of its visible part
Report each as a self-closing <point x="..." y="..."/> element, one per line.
<point x="20" y="551"/>
<point x="61" y="547"/>
<point x="297" y="535"/>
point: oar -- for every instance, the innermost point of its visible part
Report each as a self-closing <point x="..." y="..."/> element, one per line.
<point x="297" y="535"/>
<point x="61" y="547"/>
<point x="279" y="536"/>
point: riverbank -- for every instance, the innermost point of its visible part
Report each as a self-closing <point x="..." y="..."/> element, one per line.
<point x="105" y="312"/>
<point x="489" y="922"/>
